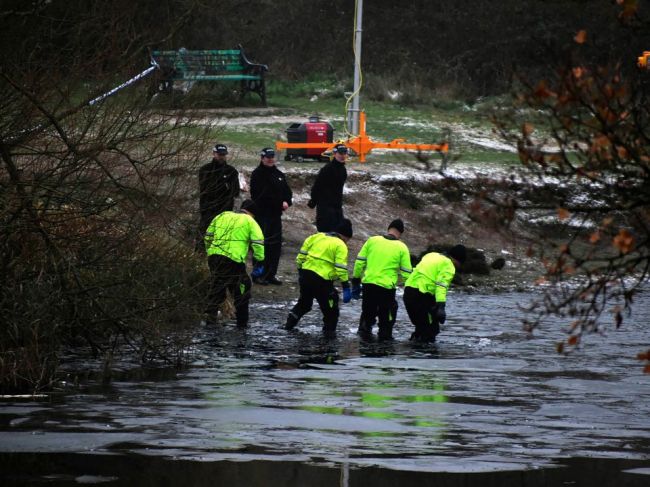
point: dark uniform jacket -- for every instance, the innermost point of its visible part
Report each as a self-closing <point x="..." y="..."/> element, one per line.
<point x="218" y="186"/>
<point x="328" y="187"/>
<point x="269" y="188"/>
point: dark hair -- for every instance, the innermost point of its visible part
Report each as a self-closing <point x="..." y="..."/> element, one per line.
<point x="458" y="252"/>
<point x="344" y="228"/>
<point x="249" y="205"/>
<point x="397" y="224"/>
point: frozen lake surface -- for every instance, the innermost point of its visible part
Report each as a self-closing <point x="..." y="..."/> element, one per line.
<point x="486" y="405"/>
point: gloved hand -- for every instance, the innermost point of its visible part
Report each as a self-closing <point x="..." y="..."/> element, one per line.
<point x="356" y="288"/>
<point x="441" y="315"/>
<point x="311" y="204"/>
<point x="347" y="294"/>
<point x="258" y="271"/>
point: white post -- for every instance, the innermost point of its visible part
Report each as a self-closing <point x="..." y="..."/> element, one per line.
<point x="353" y="115"/>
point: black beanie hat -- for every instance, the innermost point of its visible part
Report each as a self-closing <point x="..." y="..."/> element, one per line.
<point x="397" y="224"/>
<point x="458" y="252"/>
<point x="249" y="205"/>
<point x="344" y="228"/>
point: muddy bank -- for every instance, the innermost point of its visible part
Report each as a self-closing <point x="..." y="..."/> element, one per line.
<point x="433" y="213"/>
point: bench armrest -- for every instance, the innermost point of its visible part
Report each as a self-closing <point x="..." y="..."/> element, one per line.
<point x="250" y="66"/>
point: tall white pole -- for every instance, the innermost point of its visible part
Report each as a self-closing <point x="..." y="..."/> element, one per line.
<point x="354" y="112"/>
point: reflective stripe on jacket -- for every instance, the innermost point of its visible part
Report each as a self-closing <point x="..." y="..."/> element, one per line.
<point x="433" y="275"/>
<point x="326" y="255"/>
<point x="380" y="261"/>
<point x="231" y="234"/>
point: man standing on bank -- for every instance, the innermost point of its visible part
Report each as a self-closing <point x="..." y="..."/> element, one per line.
<point x="323" y="259"/>
<point x="218" y="187"/>
<point x="425" y="291"/>
<point x="327" y="191"/>
<point x="272" y="196"/>
<point x="378" y="266"/>
<point x="227" y="242"/>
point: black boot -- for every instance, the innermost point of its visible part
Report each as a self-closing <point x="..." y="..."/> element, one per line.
<point x="385" y="333"/>
<point x="365" y="331"/>
<point x="292" y="321"/>
<point x="329" y="331"/>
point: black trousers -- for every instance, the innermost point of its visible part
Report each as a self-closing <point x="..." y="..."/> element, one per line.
<point x="328" y="218"/>
<point x="228" y="274"/>
<point x="378" y="304"/>
<point x="272" y="229"/>
<point x="421" y="308"/>
<point x="313" y="286"/>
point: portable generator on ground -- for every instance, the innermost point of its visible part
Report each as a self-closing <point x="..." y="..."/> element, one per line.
<point x="314" y="130"/>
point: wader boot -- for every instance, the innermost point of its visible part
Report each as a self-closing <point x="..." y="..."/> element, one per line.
<point x="385" y="333"/>
<point x="292" y="321"/>
<point x="365" y="331"/>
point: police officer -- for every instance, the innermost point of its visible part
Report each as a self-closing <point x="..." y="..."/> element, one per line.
<point x="327" y="191"/>
<point x="227" y="242"/>
<point x="425" y="291"/>
<point x="322" y="260"/>
<point x="272" y="195"/>
<point x="218" y="187"/>
<point x="380" y="261"/>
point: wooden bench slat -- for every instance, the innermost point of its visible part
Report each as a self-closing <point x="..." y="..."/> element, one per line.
<point x="211" y="65"/>
<point x="217" y="77"/>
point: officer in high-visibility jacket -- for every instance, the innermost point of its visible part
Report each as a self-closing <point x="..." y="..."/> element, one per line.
<point x="378" y="266"/>
<point x="322" y="260"/>
<point x="228" y="239"/>
<point x="425" y="291"/>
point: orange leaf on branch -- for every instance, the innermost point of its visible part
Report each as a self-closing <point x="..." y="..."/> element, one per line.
<point x="578" y="72"/>
<point x="624" y="241"/>
<point x="581" y="37"/>
<point x="542" y="91"/>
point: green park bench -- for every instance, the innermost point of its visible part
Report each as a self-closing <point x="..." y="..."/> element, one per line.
<point x="210" y="65"/>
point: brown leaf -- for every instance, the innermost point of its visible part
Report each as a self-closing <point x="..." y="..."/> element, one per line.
<point x="573" y="340"/>
<point x="624" y="241"/>
<point x="581" y="36"/>
<point x="594" y="237"/>
<point x="629" y="8"/>
<point x="563" y="213"/>
<point x="527" y="129"/>
<point x="559" y="346"/>
<point x="542" y="91"/>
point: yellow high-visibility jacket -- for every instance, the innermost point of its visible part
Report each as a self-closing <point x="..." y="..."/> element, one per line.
<point x="326" y="255"/>
<point x="380" y="261"/>
<point x="231" y="234"/>
<point x="433" y="275"/>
